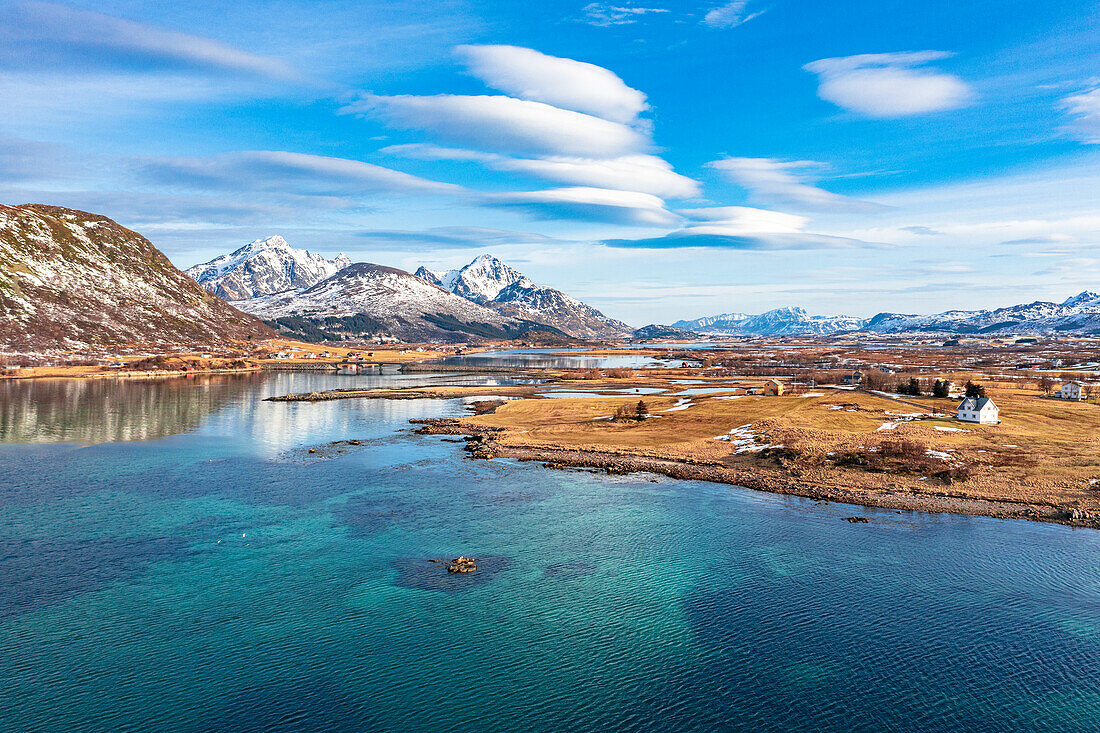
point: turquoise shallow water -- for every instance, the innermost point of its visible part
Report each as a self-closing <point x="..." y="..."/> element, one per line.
<point x="172" y="557"/>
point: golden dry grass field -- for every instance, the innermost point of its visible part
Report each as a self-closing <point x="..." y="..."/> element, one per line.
<point x="1044" y="452"/>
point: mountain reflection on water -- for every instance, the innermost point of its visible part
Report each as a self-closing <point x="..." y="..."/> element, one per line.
<point x="88" y="411"/>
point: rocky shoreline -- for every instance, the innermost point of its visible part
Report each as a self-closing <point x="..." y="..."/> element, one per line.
<point x="352" y="394"/>
<point x="481" y="442"/>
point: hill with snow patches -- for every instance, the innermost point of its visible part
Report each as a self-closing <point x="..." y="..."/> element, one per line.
<point x="71" y="280"/>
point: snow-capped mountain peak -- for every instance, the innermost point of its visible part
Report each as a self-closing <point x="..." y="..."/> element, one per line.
<point x="262" y="267"/>
<point x="432" y="276"/>
<point x="481" y="280"/>
<point x="256" y="245"/>
<point x="1086" y="298"/>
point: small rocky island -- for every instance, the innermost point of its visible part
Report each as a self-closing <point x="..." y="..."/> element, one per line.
<point x="462" y="565"/>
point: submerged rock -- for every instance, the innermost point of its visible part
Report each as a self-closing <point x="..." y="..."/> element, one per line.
<point x="857" y="520"/>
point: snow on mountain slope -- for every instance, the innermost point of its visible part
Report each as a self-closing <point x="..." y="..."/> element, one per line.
<point x="700" y="324"/>
<point x="1086" y="299"/>
<point x="70" y="279"/>
<point x="524" y="299"/>
<point x="490" y="282"/>
<point x="393" y="302"/>
<point x="1079" y="314"/>
<point x="263" y="267"/>
<point x="777" y="322"/>
<point x="431" y="276"/>
<point x="658" y="331"/>
<point x="479" y="281"/>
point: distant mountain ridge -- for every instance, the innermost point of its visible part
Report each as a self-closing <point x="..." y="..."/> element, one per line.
<point x="777" y="322"/>
<point x="492" y="283"/>
<point x="1077" y="315"/>
<point x="659" y="331"/>
<point x="264" y="267"/>
<point x="70" y="280"/>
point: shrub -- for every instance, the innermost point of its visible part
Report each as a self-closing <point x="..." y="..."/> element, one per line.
<point x="620" y="373"/>
<point x="908" y="449"/>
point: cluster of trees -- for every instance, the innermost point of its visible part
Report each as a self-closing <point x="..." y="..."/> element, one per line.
<point x="940" y="388"/>
<point x="639" y="411"/>
<point x="913" y="387"/>
<point x="974" y="390"/>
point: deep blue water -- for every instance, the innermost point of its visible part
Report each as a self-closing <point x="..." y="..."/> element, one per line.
<point x="172" y="558"/>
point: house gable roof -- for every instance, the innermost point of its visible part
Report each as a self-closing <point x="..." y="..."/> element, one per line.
<point x="977" y="404"/>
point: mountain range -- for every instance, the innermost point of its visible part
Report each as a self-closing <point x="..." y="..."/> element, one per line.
<point x="1078" y="315"/>
<point x="365" y="300"/>
<point x="70" y="280"/>
<point x="489" y="282"/>
<point x="305" y="295"/>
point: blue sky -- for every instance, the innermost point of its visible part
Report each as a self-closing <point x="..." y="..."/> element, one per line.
<point x="658" y="160"/>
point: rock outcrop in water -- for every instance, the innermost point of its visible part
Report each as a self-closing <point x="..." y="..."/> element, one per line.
<point x="462" y="565"/>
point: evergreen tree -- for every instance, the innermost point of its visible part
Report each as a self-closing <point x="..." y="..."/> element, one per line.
<point x="974" y="390"/>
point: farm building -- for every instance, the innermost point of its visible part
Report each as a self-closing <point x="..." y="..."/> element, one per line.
<point x="980" y="410"/>
<point x="1071" y="391"/>
<point x="773" y="387"/>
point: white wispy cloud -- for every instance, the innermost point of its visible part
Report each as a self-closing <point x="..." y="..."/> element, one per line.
<point x="784" y="182"/>
<point x="643" y="173"/>
<point x="737" y="220"/>
<point x="35" y="28"/>
<point x="593" y="140"/>
<point x="606" y="15"/>
<point x="1085" y="107"/>
<point x="730" y="15"/>
<point x="593" y="204"/>
<point x="566" y="83"/>
<point x="452" y="237"/>
<point x="282" y="170"/>
<point x="504" y="124"/>
<point x="742" y="227"/>
<point x="885" y="85"/>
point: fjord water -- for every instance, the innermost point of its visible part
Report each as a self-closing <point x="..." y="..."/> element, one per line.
<point x="173" y="557"/>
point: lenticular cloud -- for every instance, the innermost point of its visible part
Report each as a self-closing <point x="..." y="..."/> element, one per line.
<point x="889" y="84"/>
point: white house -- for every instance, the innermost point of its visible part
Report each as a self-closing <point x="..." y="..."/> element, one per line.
<point x="1071" y="391"/>
<point x="979" y="410"/>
